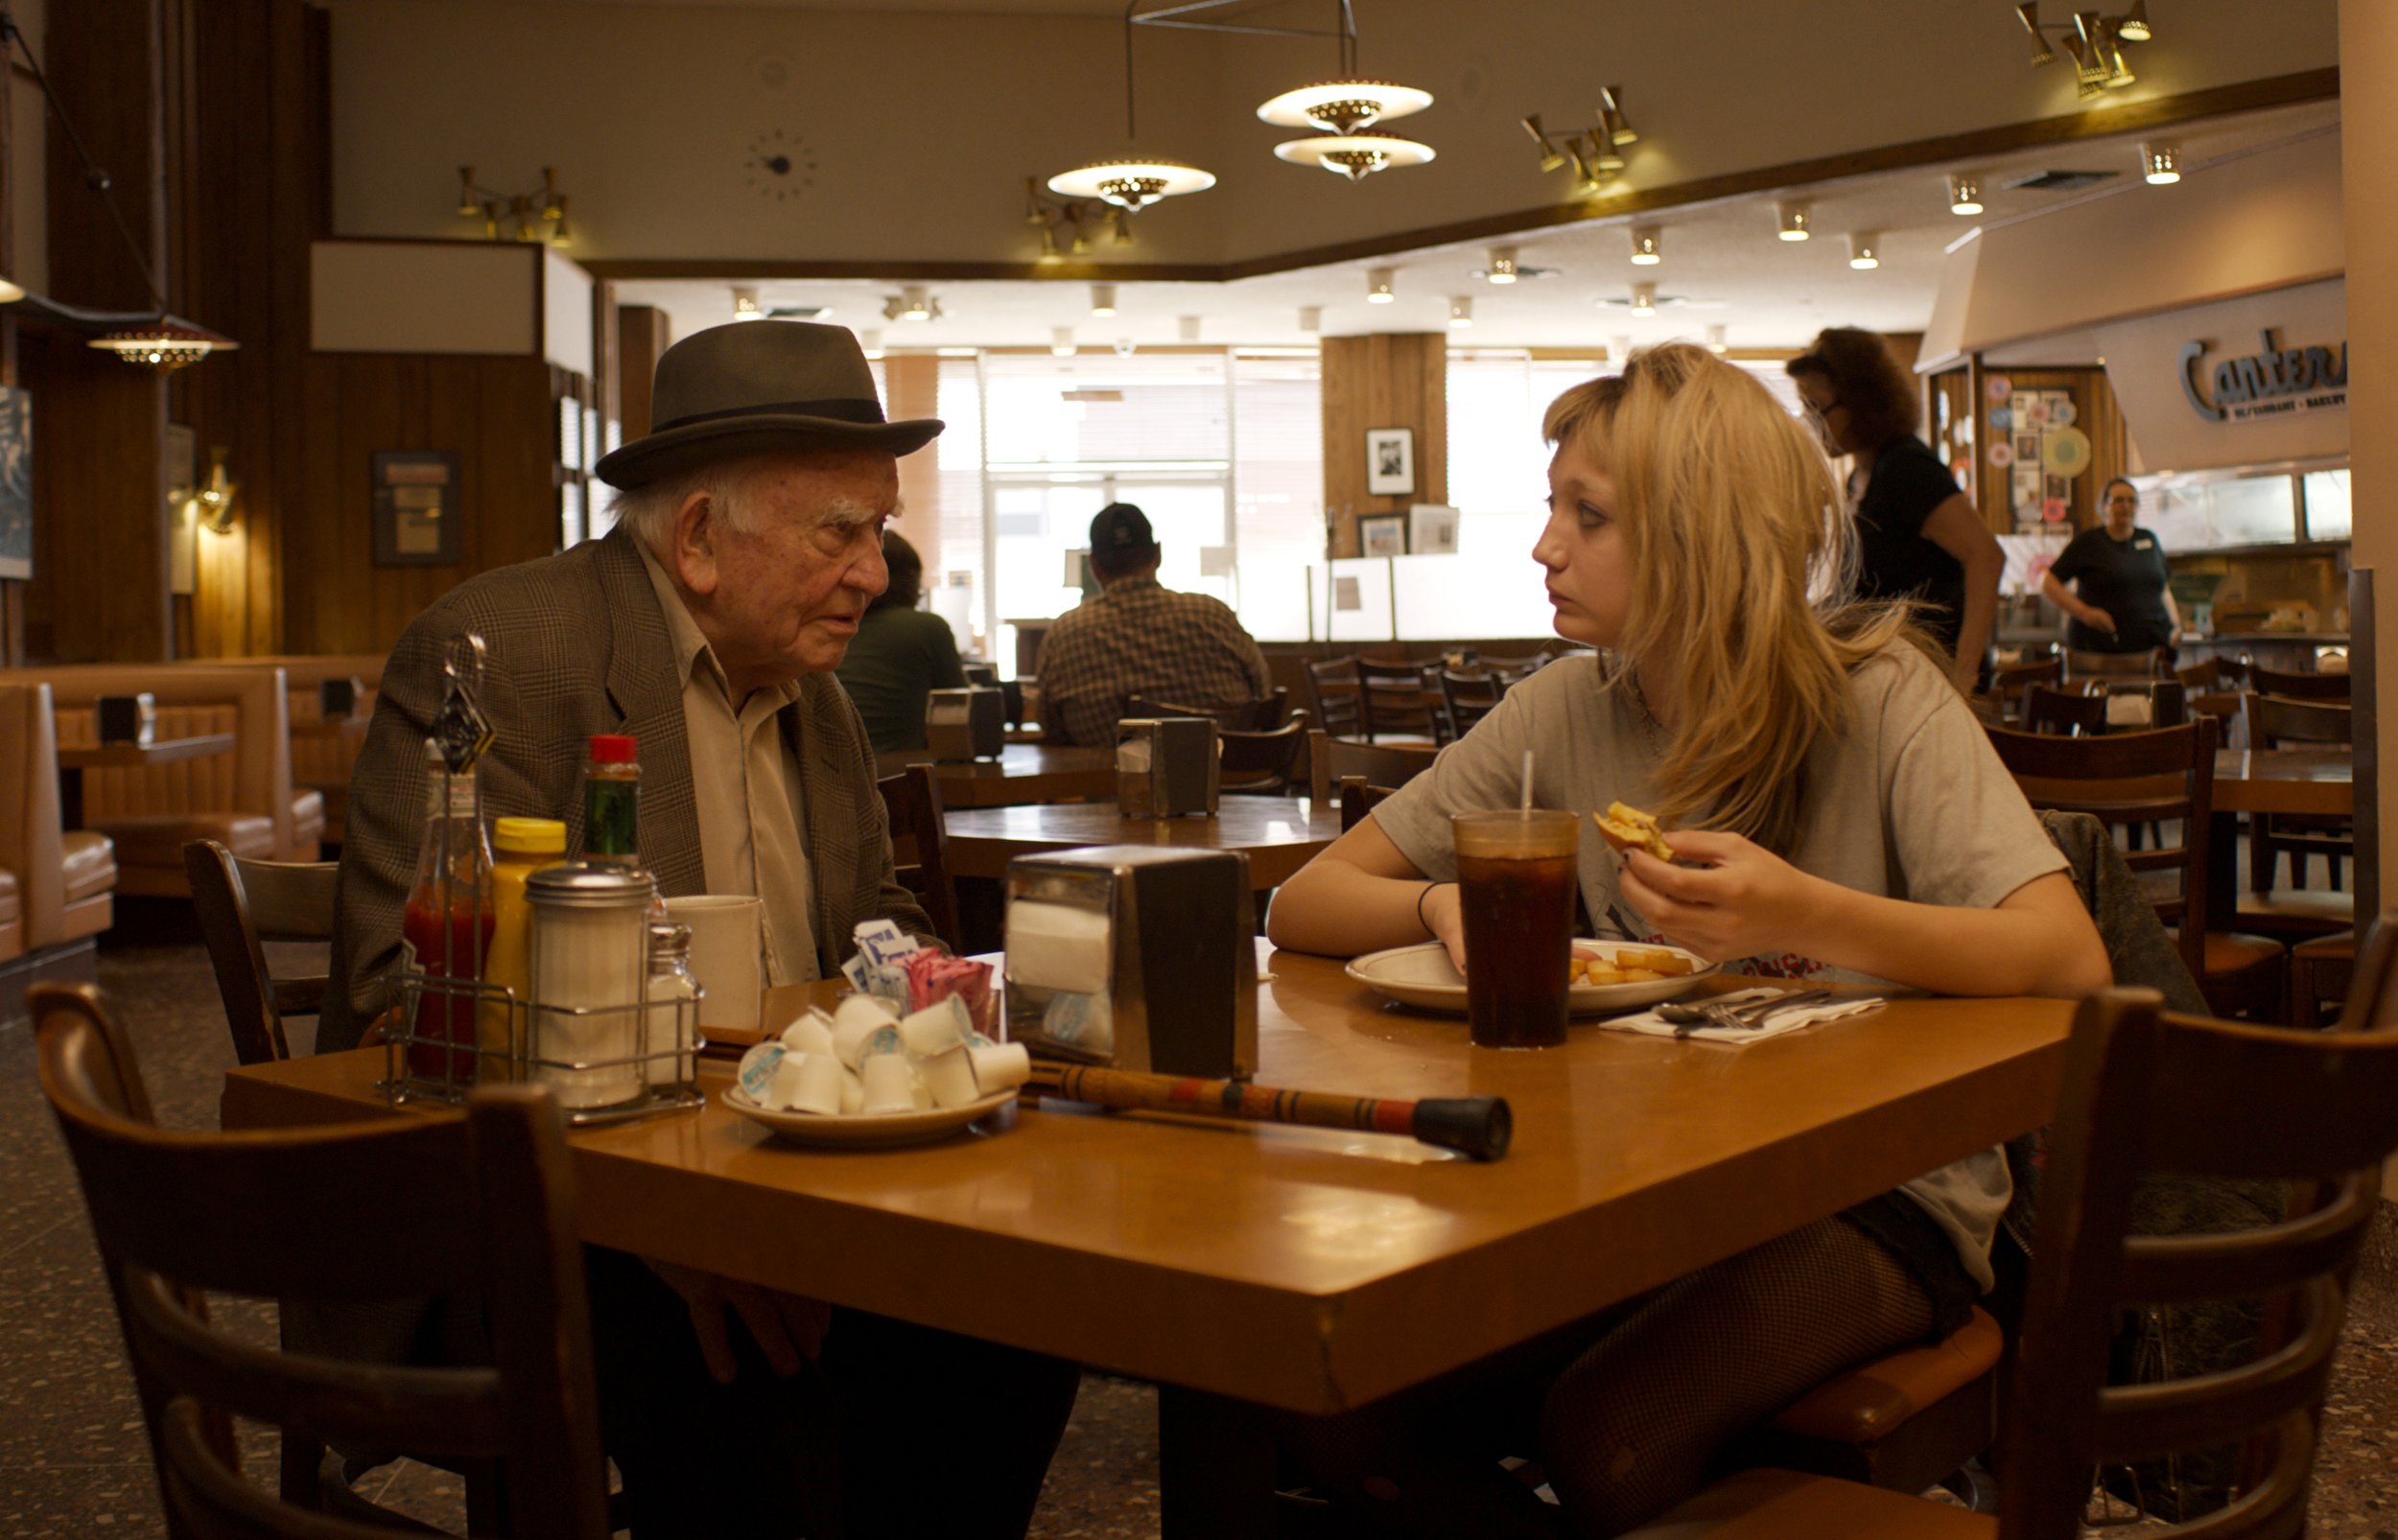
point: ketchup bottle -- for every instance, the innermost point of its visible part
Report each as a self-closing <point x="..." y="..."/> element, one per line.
<point x="448" y="920"/>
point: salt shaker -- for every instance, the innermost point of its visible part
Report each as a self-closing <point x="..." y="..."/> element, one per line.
<point x="672" y="1023"/>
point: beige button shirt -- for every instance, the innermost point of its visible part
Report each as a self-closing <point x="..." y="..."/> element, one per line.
<point x="745" y="779"/>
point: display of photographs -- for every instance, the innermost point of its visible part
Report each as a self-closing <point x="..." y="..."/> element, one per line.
<point x="1390" y="461"/>
<point x="1432" y="530"/>
<point x="17" y="483"/>
<point x="416" y="509"/>
<point x="1383" y="535"/>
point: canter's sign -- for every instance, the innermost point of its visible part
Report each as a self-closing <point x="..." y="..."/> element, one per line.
<point x="2269" y="383"/>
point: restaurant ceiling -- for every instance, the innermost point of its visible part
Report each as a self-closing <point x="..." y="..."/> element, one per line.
<point x="1720" y="260"/>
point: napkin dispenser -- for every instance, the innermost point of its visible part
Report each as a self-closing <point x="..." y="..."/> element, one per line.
<point x="1166" y="766"/>
<point x="966" y="724"/>
<point x="125" y="718"/>
<point x="1137" y="956"/>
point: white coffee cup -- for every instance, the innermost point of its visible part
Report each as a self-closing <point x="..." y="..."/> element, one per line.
<point x="727" y="955"/>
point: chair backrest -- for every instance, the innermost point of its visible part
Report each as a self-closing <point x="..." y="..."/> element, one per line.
<point x="2132" y="704"/>
<point x="1392" y="698"/>
<point x="2156" y="662"/>
<point x="2275" y="720"/>
<point x="1471" y="697"/>
<point x="2066" y="712"/>
<point x="2009" y="682"/>
<point x="1260" y="715"/>
<point x="1332" y="760"/>
<point x="1359" y="798"/>
<point x="1332" y="695"/>
<point x="395" y="1209"/>
<point x="2299" y="686"/>
<point x="2214" y="672"/>
<point x="920" y="848"/>
<point x="2149" y="1091"/>
<point x="1263" y="761"/>
<point x="242" y="903"/>
<point x="2134" y="778"/>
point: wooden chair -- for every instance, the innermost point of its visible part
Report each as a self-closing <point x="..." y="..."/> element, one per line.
<point x="2213" y="674"/>
<point x="1260" y="715"/>
<point x="2009" y="683"/>
<point x="2299" y="686"/>
<point x="387" y="1208"/>
<point x="242" y="903"/>
<point x="920" y="848"/>
<point x="1332" y="760"/>
<point x="2157" y="778"/>
<point x="1332" y="695"/>
<point x="1515" y="670"/>
<point x="2323" y="973"/>
<point x="1394" y="699"/>
<point x="2146" y="1091"/>
<point x="2066" y="712"/>
<point x="1469" y="697"/>
<point x="1359" y="798"/>
<point x="1261" y="764"/>
<point x="2157" y="663"/>
<point x="2276" y="721"/>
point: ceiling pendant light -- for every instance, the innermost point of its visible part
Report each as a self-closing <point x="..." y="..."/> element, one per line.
<point x="1460" y="313"/>
<point x="1061" y="341"/>
<point x="1965" y="195"/>
<point x="1715" y="340"/>
<point x="1647" y="245"/>
<point x="1502" y="268"/>
<point x="2160" y="164"/>
<point x="1131" y="182"/>
<point x="912" y="303"/>
<point x="1345" y="111"/>
<point x="871" y="340"/>
<point x="1380" y="286"/>
<point x="164" y="344"/>
<point x="1102" y="299"/>
<point x="1797" y="221"/>
<point x="1644" y="299"/>
<point x="1864" y="251"/>
<point x="745" y="307"/>
<point x="1619" y="350"/>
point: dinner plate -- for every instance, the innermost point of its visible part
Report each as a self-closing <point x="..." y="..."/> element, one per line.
<point x="1421" y="975"/>
<point x="867" y="1130"/>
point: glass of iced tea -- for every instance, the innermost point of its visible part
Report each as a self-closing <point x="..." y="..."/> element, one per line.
<point x="1516" y="872"/>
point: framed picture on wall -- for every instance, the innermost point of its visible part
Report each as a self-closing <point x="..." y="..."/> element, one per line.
<point x="1391" y="463"/>
<point x="1382" y="534"/>
<point x="1432" y="530"/>
<point x="416" y="507"/>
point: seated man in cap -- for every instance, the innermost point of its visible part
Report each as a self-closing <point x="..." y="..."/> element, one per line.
<point x="1136" y="637"/>
<point x="706" y="625"/>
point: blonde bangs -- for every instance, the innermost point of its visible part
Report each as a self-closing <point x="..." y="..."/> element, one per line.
<point x="1741" y="558"/>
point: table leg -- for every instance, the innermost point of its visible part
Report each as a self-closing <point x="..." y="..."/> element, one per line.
<point x="1215" y="1467"/>
<point x="2222" y="873"/>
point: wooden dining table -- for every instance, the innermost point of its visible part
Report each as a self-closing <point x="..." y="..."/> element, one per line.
<point x="2316" y="780"/>
<point x="1022" y="773"/>
<point x="76" y="759"/>
<point x="1278" y="834"/>
<point x="1309" y="1271"/>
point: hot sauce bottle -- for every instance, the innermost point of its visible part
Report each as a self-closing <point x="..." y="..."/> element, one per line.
<point x="448" y="920"/>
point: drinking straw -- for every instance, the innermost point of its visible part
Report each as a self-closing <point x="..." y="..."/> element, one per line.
<point x="1526" y="806"/>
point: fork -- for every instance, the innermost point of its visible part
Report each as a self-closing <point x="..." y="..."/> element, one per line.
<point x="1742" y="1017"/>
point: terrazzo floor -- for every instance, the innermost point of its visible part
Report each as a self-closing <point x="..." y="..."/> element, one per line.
<point x="73" y="1460"/>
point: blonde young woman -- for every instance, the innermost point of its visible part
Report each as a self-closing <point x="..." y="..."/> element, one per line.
<point x="1839" y="815"/>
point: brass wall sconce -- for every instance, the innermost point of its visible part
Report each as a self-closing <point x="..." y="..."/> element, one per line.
<point x="1595" y="153"/>
<point x="2093" y="40"/>
<point x="212" y="503"/>
<point x="539" y="215"/>
<point x="1068" y="224"/>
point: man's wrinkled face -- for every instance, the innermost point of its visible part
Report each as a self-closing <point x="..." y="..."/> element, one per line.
<point x="783" y="596"/>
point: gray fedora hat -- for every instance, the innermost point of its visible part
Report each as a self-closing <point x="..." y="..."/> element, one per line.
<point x="751" y="387"/>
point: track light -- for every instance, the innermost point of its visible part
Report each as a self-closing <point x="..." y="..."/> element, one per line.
<point x="1644" y="299"/>
<point x="1797" y="221"/>
<point x="1379" y="285"/>
<point x="1619" y="130"/>
<point x="2041" y="52"/>
<point x="2160" y="163"/>
<point x="1715" y="339"/>
<point x="1502" y="269"/>
<point x="1965" y="195"/>
<point x="1460" y="313"/>
<point x="1061" y="341"/>
<point x="912" y="303"/>
<point x="745" y="307"/>
<point x="2134" y="26"/>
<point x="1102" y="299"/>
<point x="1648" y="244"/>
<point x="1864" y="251"/>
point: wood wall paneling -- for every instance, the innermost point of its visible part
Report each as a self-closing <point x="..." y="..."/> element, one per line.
<point x="643" y="332"/>
<point x="2097" y="414"/>
<point x="1384" y="381"/>
<point x="911" y="388"/>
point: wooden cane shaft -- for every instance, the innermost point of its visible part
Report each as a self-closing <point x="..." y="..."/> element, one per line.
<point x="1225" y="1098"/>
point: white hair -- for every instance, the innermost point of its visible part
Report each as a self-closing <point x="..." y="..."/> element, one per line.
<point x="648" y="511"/>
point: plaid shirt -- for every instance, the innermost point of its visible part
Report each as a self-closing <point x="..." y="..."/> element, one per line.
<point x="1137" y="638"/>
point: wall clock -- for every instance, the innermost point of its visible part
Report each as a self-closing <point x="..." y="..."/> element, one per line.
<point x="779" y="165"/>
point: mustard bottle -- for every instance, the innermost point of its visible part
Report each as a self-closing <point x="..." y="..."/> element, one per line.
<point x="520" y="848"/>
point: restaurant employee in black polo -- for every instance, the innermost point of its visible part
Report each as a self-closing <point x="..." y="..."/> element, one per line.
<point x="2119" y="598"/>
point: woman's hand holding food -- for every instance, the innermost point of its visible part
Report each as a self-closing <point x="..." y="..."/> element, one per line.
<point x="1738" y="900"/>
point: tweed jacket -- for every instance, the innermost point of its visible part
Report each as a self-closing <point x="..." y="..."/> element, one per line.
<point x="576" y="645"/>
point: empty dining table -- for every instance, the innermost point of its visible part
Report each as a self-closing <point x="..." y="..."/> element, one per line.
<point x="1022" y="773"/>
<point x="1278" y="834"/>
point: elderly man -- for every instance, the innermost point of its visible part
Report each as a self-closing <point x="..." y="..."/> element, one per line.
<point x="706" y="625"/>
<point x="1137" y="636"/>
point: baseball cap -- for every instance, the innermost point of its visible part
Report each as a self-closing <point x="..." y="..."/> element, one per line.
<point x="1120" y="527"/>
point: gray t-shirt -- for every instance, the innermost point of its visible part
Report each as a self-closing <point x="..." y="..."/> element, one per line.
<point x="1910" y="802"/>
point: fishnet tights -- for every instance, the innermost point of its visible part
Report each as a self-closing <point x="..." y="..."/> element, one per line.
<point x="1636" y="1404"/>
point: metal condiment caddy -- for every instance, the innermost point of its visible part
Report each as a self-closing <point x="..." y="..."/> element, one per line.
<point x="587" y="1025"/>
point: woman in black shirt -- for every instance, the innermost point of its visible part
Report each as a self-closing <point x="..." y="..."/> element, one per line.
<point x="1917" y="536"/>
<point x="2119" y="599"/>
